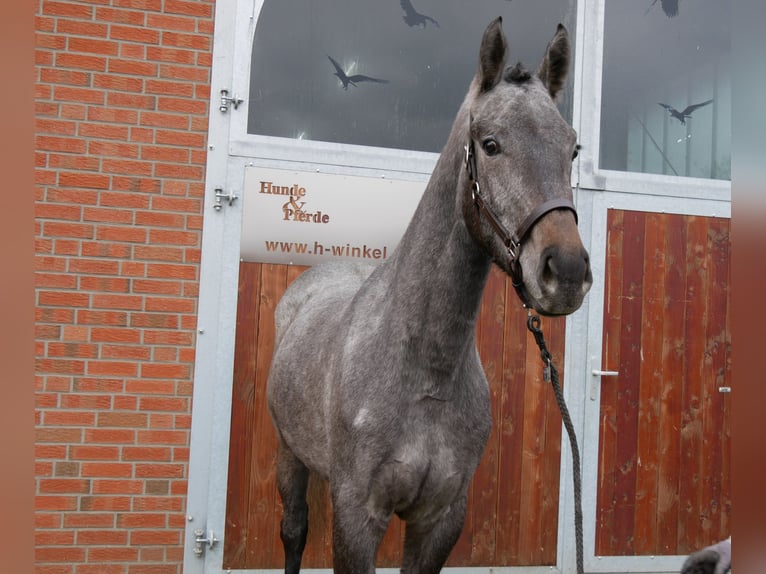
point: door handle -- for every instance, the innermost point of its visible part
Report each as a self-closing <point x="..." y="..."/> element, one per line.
<point x="596" y="374"/>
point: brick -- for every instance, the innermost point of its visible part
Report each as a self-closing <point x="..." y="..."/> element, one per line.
<point x="105" y="284"/>
<point x="142" y="34"/>
<point x="126" y="403"/>
<point x="100" y="568"/>
<point x="112" y="148"/>
<point x="89" y="520"/>
<point x="81" y="28"/>
<point x="132" y="269"/>
<point x="142" y="520"/>
<point x="102" y="318"/>
<point x="194" y="74"/>
<point x="155" y="320"/>
<point x="66" y="468"/>
<point x="93" y="46"/>
<point x="199" y="9"/>
<point x="170" y="437"/>
<point x="60" y="144"/>
<point x="112" y="250"/>
<point x="47" y="520"/>
<point x="138" y="353"/>
<point x="54" y="126"/>
<point x="86" y="401"/>
<point x="81" y="61"/>
<point x="123" y="16"/>
<point x="158" y="487"/>
<point x="127" y="234"/>
<point x="127" y="167"/>
<point x="47" y="332"/>
<point x="53" y="315"/>
<point x="63" y="298"/>
<point x="154" y="537"/>
<point x="63" y="486"/>
<point x="106" y="131"/>
<point x="107" y="215"/>
<point x="102" y="503"/>
<point x="54" y="569"/>
<point x="72" y="349"/>
<point x="147" y="5"/>
<point x="146" y="453"/>
<point x="151" y="252"/>
<point x="182" y="23"/>
<point x="113" y="436"/>
<point x="112" y="554"/>
<point x="183" y="105"/>
<point x="65" y="8"/>
<point x="101" y="384"/>
<point x="157" y="287"/>
<point x="62" y="503"/>
<point x="170" y="271"/>
<point x="66" y="554"/>
<point x="76" y="196"/>
<point x="127" y="420"/>
<point x="165" y="354"/>
<point x="170" y="305"/>
<point x="107" y="335"/>
<point x="112" y="368"/>
<point x="74" y="162"/>
<point x="136" y="199"/>
<point x="61" y="229"/>
<point x="75" y="94"/>
<point x="93" y="452"/>
<point x="132" y="67"/>
<point x="54" y="538"/>
<point x="67" y="247"/>
<point x="69" y="418"/>
<point x="175" y="55"/>
<point x="102" y="537"/>
<point x="83" y="180"/>
<point x="114" y="116"/>
<point x="59" y="280"/>
<point x="144" y="387"/>
<point x="118" y="486"/>
<point x="107" y="469"/>
<point x="158" y="503"/>
<point x="60" y="366"/>
<point x="164" y="153"/>
<point x="131" y="101"/>
<point x="93" y="266"/>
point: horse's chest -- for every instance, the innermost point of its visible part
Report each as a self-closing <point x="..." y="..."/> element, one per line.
<point x="427" y="472"/>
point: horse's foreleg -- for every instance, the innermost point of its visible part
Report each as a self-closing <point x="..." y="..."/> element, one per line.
<point x="426" y="547"/>
<point x="356" y="536"/>
<point x="292" y="480"/>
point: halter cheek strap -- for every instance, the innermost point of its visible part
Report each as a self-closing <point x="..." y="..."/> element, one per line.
<point x="513" y="241"/>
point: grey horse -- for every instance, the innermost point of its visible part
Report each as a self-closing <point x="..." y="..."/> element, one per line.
<point x="375" y="383"/>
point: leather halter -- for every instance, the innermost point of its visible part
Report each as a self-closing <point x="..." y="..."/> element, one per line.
<point x="512" y="242"/>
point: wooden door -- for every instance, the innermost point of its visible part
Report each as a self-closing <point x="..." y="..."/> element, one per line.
<point x="664" y="483"/>
<point x="513" y="508"/>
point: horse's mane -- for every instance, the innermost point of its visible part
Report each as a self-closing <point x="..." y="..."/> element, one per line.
<point x="517" y="74"/>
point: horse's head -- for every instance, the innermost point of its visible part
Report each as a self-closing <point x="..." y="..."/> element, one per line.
<point x="519" y="152"/>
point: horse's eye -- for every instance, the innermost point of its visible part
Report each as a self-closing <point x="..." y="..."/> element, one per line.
<point x="576" y="152"/>
<point x="490" y="146"/>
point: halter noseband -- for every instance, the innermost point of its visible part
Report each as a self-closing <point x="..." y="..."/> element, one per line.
<point x="513" y="241"/>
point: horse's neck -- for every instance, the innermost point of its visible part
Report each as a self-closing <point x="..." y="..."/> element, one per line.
<point x="438" y="273"/>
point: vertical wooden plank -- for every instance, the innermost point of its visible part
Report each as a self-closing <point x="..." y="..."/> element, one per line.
<point x="533" y="449"/>
<point x="263" y="521"/>
<point x="725" y="523"/>
<point x="510" y="426"/>
<point x="651" y="383"/>
<point x="712" y="495"/>
<point x="673" y="353"/>
<point x="627" y="393"/>
<point x="241" y="437"/>
<point x="554" y="331"/>
<point x="490" y="345"/>
<point x="610" y="360"/>
<point x="691" y="420"/>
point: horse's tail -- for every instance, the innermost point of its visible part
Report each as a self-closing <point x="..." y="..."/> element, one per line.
<point x="318" y="500"/>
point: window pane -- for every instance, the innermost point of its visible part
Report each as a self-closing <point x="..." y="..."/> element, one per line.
<point x="666" y="91"/>
<point x="294" y="92"/>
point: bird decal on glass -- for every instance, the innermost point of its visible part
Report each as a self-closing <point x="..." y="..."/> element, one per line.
<point x="414" y="18"/>
<point x="687" y="111"/>
<point x="352" y="80"/>
<point x="670" y="7"/>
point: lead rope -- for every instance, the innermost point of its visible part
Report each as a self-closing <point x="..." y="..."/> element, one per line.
<point x="550" y="374"/>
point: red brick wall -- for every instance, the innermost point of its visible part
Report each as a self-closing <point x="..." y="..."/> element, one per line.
<point x="121" y="120"/>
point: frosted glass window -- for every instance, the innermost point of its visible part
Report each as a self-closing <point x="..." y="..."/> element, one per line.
<point x="666" y="89"/>
<point x="418" y="63"/>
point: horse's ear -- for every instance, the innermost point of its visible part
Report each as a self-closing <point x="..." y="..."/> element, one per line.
<point x="555" y="65"/>
<point x="492" y="55"/>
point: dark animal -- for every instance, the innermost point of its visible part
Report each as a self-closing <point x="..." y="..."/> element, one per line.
<point x="352" y="80"/>
<point x="375" y="382"/>
<point x="713" y="559"/>
<point x="687" y="113"/>
<point x="413" y="18"/>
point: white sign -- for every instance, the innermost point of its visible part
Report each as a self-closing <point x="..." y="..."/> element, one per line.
<point x="303" y="218"/>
